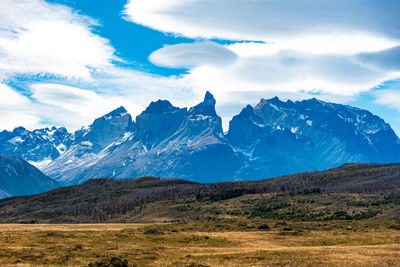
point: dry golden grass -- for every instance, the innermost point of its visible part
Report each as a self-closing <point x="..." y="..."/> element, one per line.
<point x="224" y="243"/>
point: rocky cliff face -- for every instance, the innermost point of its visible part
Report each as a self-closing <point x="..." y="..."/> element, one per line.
<point x="88" y="145"/>
<point x="167" y="141"/>
<point x="285" y="137"/>
<point x="273" y="138"/>
<point x="338" y="133"/>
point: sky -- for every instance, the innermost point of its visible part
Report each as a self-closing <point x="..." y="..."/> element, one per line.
<point x="67" y="62"/>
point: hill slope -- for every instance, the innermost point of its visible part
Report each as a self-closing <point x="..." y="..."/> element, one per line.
<point x="353" y="191"/>
<point x="17" y="178"/>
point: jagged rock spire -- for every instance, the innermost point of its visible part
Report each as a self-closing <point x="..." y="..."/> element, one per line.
<point x="206" y="108"/>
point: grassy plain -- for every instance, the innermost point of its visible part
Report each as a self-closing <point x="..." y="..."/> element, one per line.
<point x="208" y="243"/>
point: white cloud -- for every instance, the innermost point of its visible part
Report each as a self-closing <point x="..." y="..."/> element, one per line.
<point x="193" y="54"/>
<point x="80" y="102"/>
<point x="9" y="97"/>
<point x="66" y="97"/>
<point x="272" y="20"/>
<point x="57" y="105"/>
<point x="10" y="119"/>
<point x="334" y="48"/>
<point x="38" y="37"/>
<point x="143" y="87"/>
<point x="283" y="71"/>
<point x="15" y="108"/>
<point x="388" y="60"/>
<point x="74" y="107"/>
<point x="338" y="43"/>
<point x="387" y="98"/>
<point x="311" y="46"/>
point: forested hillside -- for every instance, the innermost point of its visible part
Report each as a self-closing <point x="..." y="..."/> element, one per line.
<point x="352" y="191"/>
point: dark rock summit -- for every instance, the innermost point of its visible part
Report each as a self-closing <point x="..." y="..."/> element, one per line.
<point x="205" y="108"/>
<point x="160" y="106"/>
<point x="105" y="129"/>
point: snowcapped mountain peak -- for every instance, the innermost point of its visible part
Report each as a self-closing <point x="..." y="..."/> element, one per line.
<point x="246" y="127"/>
<point x="118" y="112"/>
<point x="358" y="131"/>
<point x="274" y="103"/>
<point x="247" y="114"/>
<point x="159" y="106"/>
<point x="313" y="100"/>
<point x="248" y="111"/>
<point x="105" y="129"/>
<point x="34" y="146"/>
<point x="158" y="121"/>
<point x="20" y="130"/>
<point x="274" y="99"/>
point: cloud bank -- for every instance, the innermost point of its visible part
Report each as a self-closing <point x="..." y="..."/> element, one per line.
<point x="78" y="80"/>
<point x="299" y="47"/>
<point x="243" y="50"/>
<point x="267" y="19"/>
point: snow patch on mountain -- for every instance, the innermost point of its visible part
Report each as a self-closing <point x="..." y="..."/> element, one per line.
<point x="16" y="140"/>
<point x="41" y="164"/>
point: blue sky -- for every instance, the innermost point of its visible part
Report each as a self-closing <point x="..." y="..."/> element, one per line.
<point x="65" y="62"/>
<point x="133" y="42"/>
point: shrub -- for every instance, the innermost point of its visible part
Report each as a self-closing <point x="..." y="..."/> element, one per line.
<point x="152" y="231"/>
<point x="263" y="226"/>
<point x="110" y="262"/>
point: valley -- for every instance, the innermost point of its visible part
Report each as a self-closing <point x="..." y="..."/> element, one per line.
<point x="209" y="243"/>
<point x="345" y="216"/>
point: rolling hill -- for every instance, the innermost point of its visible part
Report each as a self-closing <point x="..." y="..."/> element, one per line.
<point x="352" y="191"/>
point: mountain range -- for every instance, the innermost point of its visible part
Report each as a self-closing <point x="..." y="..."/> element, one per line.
<point x="270" y="139"/>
